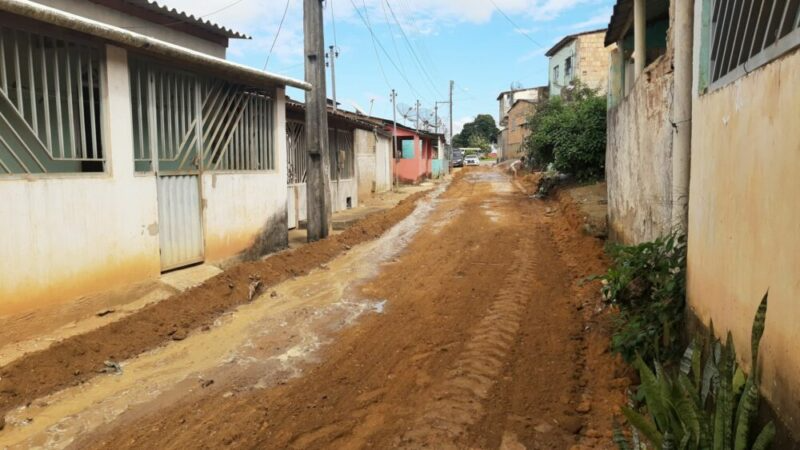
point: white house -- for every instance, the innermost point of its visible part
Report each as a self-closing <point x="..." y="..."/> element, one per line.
<point x="129" y="146"/>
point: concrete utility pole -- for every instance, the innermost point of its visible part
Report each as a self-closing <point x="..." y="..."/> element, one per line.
<point x="417" y="107"/>
<point x="436" y="118"/>
<point x="394" y="134"/>
<point x="452" y="84"/>
<point x="318" y="189"/>
<point x="333" y="53"/>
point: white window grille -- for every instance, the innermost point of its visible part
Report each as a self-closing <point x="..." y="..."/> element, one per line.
<point x="746" y="34"/>
<point x="50" y="104"/>
<point x="195" y="121"/>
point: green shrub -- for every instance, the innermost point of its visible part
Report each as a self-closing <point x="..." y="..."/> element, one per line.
<point x="709" y="405"/>
<point x="570" y="132"/>
<point x="647" y="282"/>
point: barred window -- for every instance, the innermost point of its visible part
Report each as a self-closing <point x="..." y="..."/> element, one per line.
<point x="341" y="154"/>
<point x="190" y="119"/>
<point x="746" y="34"/>
<point x="296" y="152"/>
<point x="50" y="105"/>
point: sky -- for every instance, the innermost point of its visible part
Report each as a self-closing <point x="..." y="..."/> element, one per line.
<point x="414" y="46"/>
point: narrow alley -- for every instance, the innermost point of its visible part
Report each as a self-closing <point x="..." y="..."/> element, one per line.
<point x="454" y="329"/>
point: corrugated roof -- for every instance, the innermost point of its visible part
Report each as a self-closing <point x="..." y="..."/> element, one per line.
<point x="622" y="17"/>
<point x="569" y="38"/>
<point x="181" y="16"/>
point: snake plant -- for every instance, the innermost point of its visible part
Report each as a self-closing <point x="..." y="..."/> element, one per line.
<point x="707" y="405"/>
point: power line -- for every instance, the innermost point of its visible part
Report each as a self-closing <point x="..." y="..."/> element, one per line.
<point x="517" y="27"/>
<point x="375" y="47"/>
<point x="333" y="23"/>
<point x="383" y="49"/>
<point x="278" y="33"/>
<point x="391" y="32"/>
<point x="411" y="49"/>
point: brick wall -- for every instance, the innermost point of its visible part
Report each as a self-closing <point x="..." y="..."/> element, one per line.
<point x="593" y="60"/>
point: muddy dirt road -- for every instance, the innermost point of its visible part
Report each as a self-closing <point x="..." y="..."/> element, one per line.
<point x="466" y="325"/>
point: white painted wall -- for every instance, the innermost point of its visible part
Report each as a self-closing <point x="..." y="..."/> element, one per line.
<point x="70" y="235"/>
<point x="383" y="164"/>
<point x="110" y="16"/>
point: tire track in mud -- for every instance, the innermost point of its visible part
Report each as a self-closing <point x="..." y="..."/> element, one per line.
<point x="457" y="402"/>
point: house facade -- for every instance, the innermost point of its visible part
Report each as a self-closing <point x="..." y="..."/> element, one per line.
<point x="126" y="154"/>
<point x="416" y="153"/>
<point x="579" y="56"/>
<point x="360" y="160"/>
<point x="703" y="138"/>
<point x="514" y="108"/>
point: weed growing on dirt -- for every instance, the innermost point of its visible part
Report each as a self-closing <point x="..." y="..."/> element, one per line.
<point x="647" y="282"/>
<point x="709" y="405"/>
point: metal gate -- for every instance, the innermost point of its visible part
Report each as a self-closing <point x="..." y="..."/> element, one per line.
<point x="180" y="228"/>
<point x="167" y="118"/>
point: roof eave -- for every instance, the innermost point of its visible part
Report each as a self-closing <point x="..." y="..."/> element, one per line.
<point x="130" y="39"/>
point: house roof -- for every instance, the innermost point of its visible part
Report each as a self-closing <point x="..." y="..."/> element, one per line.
<point x="623" y="13"/>
<point x="166" y="16"/>
<point x="357" y="121"/>
<point x="569" y="38"/>
<point x="146" y="44"/>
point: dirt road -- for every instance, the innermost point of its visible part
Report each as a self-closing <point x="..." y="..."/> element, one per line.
<point x="467" y="325"/>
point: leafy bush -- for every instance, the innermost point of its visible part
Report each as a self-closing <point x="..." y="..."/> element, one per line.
<point x="708" y="405"/>
<point x="647" y="282"/>
<point x="570" y="132"/>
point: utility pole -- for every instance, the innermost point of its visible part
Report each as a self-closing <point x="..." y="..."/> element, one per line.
<point x="452" y="84"/>
<point x="436" y="118"/>
<point x="394" y="134"/>
<point x="417" y="107"/>
<point x="332" y="54"/>
<point x="318" y="189"/>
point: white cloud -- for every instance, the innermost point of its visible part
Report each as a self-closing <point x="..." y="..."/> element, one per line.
<point x="599" y="20"/>
<point x="458" y="124"/>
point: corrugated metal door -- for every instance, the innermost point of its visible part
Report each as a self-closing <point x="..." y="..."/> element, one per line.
<point x="180" y="226"/>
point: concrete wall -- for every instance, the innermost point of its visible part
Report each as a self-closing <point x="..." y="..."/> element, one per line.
<point x="558" y="60"/>
<point x="110" y="16"/>
<point x="383" y="164"/>
<point x="639" y="159"/>
<point x="744" y="220"/>
<point x="73" y="234"/>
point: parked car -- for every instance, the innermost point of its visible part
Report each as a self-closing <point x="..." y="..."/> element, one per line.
<point x="472" y="160"/>
<point x="457" y="159"/>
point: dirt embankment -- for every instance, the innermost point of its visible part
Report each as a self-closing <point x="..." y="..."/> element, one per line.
<point x="79" y="358"/>
<point x="490" y="339"/>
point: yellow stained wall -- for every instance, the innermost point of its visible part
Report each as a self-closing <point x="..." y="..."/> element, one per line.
<point x="744" y="220"/>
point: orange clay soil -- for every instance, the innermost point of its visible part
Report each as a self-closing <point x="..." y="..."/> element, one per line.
<point x="79" y="358"/>
<point x="491" y="338"/>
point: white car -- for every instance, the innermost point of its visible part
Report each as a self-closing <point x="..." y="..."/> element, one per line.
<point x="472" y="160"/>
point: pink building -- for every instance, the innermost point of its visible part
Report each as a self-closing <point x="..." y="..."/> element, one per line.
<point x="415" y="153"/>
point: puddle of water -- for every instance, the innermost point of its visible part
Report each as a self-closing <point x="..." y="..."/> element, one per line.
<point x="270" y="336"/>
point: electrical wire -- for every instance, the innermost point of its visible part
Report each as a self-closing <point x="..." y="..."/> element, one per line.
<point x="383" y="49"/>
<point x="375" y="47"/>
<point x="278" y="33"/>
<point x="411" y="50"/>
<point x="517" y="27"/>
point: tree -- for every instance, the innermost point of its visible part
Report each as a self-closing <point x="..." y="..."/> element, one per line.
<point x="483" y="127"/>
<point x="478" y="141"/>
<point x="570" y="132"/>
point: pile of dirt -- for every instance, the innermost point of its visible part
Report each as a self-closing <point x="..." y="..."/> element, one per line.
<point x="77" y="359"/>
